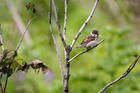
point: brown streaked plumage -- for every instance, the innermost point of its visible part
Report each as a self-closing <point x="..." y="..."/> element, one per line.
<point x="87" y="40"/>
<point x="90" y="40"/>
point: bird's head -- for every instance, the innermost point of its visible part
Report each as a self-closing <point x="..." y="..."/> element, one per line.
<point x="95" y="33"/>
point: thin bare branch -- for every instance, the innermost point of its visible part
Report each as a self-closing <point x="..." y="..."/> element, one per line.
<point x="1" y="42"/>
<point x="1" y="82"/>
<point x="65" y="19"/>
<point x="65" y="23"/>
<point x="5" y="85"/>
<point x="29" y="22"/>
<point x="85" y="23"/>
<point x="9" y="65"/>
<point x="121" y="76"/>
<point x="84" y="51"/>
<point x="57" y="50"/>
<point x="58" y="24"/>
<point x="15" y="52"/>
<point x="18" y="20"/>
<point x="1" y="39"/>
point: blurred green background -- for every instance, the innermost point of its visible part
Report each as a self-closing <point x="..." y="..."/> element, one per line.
<point x="118" y="22"/>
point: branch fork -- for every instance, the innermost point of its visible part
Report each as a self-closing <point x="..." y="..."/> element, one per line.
<point x="67" y="48"/>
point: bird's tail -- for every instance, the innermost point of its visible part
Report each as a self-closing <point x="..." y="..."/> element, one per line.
<point x="79" y="46"/>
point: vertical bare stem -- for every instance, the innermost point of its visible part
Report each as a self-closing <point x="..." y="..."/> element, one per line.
<point x="58" y="24"/>
<point x="1" y="41"/>
<point x="67" y="75"/>
<point x="1" y="83"/>
<point x="5" y="84"/>
<point x="67" y="54"/>
<point x="65" y="19"/>
<point x="13" y="56"/>
<point x="57" y="50"/>
<point x="67" y="49"/>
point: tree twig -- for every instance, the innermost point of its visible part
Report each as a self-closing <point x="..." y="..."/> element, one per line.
<point x="58" y="24"/>
<point x="1" y="83"/>
<point x="84" y="51"/>
<point x="121" y="76"/>
<point x="67" y="71"/>
<point x="85" y="23"/>
<point x="5" y="83"/>
<point x="65" y="19"/>
<point x="15" y="52"/>
<point x="18" y="20"/>
<point x="57" y="50"/>
<point x="1" y="39"/>
<point x="29" y="22"/>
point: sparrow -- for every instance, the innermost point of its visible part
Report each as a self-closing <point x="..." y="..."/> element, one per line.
<point x="91" y="40"/>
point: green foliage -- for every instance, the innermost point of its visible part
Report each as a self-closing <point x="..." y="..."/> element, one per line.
<point x="9" y="64"/>
<point x="89" y="72"/>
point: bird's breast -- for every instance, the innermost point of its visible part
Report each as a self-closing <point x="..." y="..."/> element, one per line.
<point x="92" y="44"/>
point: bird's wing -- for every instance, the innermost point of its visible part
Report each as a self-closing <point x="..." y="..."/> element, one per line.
<point x="87" y="40"/>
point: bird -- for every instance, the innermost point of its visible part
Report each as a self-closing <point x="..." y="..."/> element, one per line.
<point x="90" y="41"/>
